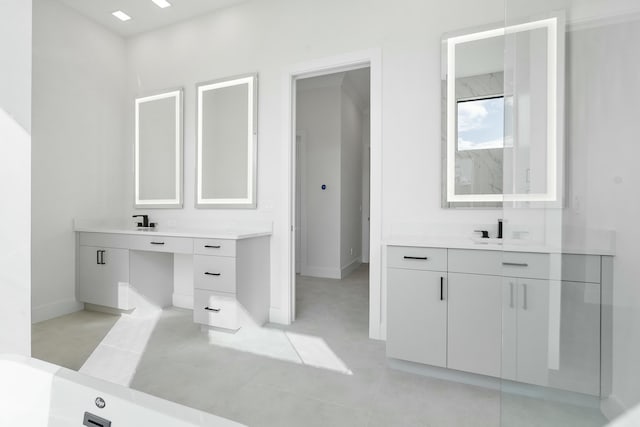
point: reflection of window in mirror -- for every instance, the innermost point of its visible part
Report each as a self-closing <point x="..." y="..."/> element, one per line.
<point x="481" y="123"/>
<point x="479" y="144"/>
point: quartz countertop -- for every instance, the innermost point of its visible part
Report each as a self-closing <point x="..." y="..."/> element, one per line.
<point x="507" y="246"/>
<point x="232" y="234"/>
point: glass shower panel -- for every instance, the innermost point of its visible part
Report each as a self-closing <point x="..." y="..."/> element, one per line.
<point x="571" y="300"/>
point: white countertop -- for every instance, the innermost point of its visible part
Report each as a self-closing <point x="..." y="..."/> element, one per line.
<point x="477" y="244"/>
<point x="231" y="234"/>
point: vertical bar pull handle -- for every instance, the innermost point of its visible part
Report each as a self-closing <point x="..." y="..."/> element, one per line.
<point x="510" y="294"/>
<point x="102" y="257"/>
<point x="98" y="257"/>
<point x="524" y="296"/>
<point x="441" y="288"/>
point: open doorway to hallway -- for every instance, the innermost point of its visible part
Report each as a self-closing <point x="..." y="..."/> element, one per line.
<point x="332" y="186"/>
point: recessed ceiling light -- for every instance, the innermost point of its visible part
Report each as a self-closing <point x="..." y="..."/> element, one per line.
<point x="161" y="3"/>
<point x="121" y="15"/>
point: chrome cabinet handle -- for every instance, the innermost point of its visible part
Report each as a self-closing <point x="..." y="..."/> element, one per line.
<point x="516" y="264"/>
<point x="510" y="294"/>
<point x="524" y="296"/>
<point x="421" y="258"/>
<point x="212" y="274"/>
<point x="215" y="310"/>
<point x="212" y="246"/>
<point x="157" y="243"/>
<point x="441" y="288"/>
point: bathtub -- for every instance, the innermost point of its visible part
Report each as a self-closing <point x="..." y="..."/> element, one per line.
<point x="34" y="393"/>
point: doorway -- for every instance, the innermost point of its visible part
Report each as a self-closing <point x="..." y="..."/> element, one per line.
<point x="332" y="182"/>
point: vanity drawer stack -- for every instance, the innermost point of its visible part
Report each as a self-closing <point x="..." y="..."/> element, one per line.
<point x="214" y="269"/>
<point x="526" y="317"/>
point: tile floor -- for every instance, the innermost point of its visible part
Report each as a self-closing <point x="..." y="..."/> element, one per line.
<point x="274" y="377"/>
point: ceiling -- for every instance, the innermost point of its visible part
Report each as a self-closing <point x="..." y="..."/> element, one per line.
<point x="145" y="15"/>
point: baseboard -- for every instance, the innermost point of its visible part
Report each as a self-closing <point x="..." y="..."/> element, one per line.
<point x="350" y="268"/>
<point x="612" y="407"/>
<point x="323" y="272"/>
<point x="278" y="315"/>
<point x="107" y="310"/>
<point x="183" y="301"/>
<point x="504" y="386"/>
<point x="55" y="309"/>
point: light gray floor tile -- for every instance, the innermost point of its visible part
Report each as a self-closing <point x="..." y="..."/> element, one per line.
<point x="69" y="340"/>
<point x="264" y="406"/>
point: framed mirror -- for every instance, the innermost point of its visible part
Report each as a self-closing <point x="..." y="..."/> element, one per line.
<point x="227" y="143"/>
<point x="158" y="150"/>
<point x="502" y="99"/>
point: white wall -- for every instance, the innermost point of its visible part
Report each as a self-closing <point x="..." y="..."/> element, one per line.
<point x="15" y="170"/>
<point x="257" y="36"/>
<point x="79" y="147"/>
<point x="350" y="180"/>
<point x="318" y="120"/>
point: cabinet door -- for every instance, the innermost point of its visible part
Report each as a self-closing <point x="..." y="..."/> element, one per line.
<point x="474" y="323"/>
<point x="533" y="331"/>
<point x="509" y="328"/>
<point x="104" y="277"/>
<point x="559" y="335"/>
<point x="417" y="316"/>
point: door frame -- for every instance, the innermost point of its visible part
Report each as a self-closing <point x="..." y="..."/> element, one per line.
<point x="371" y="58"/>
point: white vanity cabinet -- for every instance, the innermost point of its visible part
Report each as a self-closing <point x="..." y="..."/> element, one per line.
<point x="527" y="317"/>
<point x="231" y="275"/>
<point x="104" y="277"/>
<point x="417" y="305"/>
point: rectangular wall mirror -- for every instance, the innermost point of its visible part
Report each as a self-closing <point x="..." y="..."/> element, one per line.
<point x="158" y="151"/>
<point x="227" y="143"/>
<point x="492" y="81"/>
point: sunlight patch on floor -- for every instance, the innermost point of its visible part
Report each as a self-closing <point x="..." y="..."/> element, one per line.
<point x="117" y="356"/>
<point x="278" y="344"/>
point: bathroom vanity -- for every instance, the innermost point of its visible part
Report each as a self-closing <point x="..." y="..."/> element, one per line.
<point x="526" y="314"/>
<point x="125" y="269"/>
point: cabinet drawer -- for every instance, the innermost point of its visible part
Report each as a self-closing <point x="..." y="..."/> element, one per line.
<point x="529" y="265"/>
<point x="417" y="258"/>
<point x="215" y="273"/>
<point x="216" y="310"/>
<point x="475" y="261"/>
<point x="219" y="247"/>
<point x="162" y="244"/>
<point x="104" y="240"/>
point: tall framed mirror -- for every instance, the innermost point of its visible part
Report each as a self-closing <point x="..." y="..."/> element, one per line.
<point x="158" y="150"/>
<point x="226" y="146"/>
<point x="495" y="80"/>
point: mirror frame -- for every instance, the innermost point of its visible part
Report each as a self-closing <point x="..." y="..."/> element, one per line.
<point x="555" y="110"/>
<point x="176" y="202"/>
<point x="250" y="202"/>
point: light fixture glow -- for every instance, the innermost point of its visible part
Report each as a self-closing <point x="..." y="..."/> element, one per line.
<point x="121" y="15"/>
<point x="161" y="3"/>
